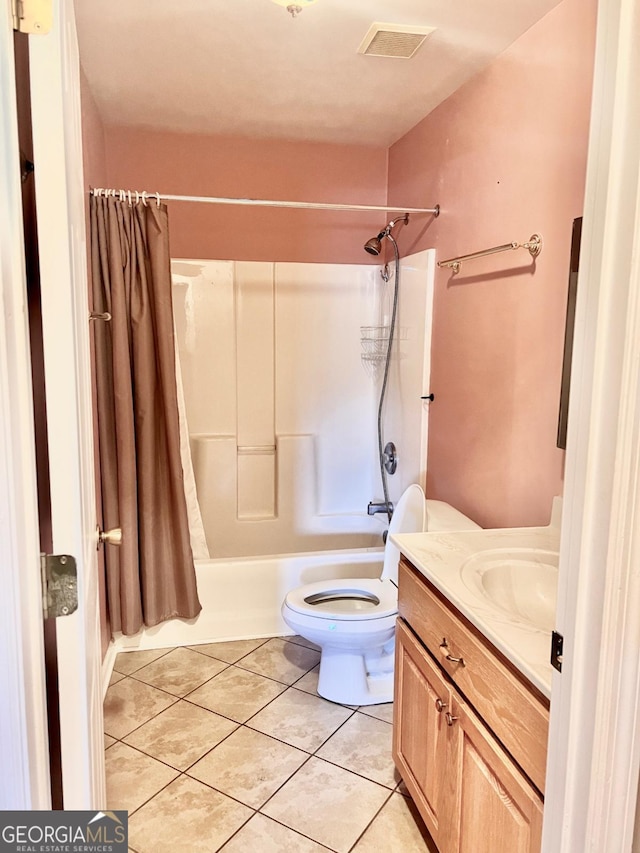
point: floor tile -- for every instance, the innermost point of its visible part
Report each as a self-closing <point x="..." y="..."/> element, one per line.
<point x="180" y="672"/>
<point x="248" y="766"/>
<point x="326" y="803"/>
<point x="363" y="744"/>
<point x="129" y="703"/>
<point x="300" y="719"/>
<point x="397" y="827"/>
<point x="231" y="651"/>
<point x="132" y="778"/>
<point x="109" y="741"/>
<point x="128" y="662"/>
<point x="236" y="693"/>
<point x="264" y="835"/>
<point x="186" y="817"/>
<point x="115" y="677"/>
<point x="181" y="735"/>
<point x="380" y="712"/>
<point x="281" y="660"/>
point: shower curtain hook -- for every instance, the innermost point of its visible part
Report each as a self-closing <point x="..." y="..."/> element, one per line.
<point x="137" y="197"/>
<point x="158" y="199"/>
<point x="129" y="194"/>
<point x="144" y="197"/>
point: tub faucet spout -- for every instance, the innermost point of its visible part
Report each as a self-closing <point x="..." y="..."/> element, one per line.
<point x="381" y="506"/>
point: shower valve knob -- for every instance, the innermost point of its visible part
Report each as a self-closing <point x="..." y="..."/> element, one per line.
<point x="390" y="458"/>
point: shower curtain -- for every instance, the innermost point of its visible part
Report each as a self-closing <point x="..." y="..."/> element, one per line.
<point x="151" y="576"/>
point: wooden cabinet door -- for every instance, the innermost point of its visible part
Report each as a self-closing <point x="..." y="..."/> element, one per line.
<point x="499" y="811"/>
<point x="423" y="743"/>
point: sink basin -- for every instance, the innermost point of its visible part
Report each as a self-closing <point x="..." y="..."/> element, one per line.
<point x="521" y="582"/>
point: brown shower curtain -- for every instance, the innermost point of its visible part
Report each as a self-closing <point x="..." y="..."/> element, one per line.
<point x="151" y="576"/>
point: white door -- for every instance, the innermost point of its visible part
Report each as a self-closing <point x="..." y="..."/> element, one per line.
<point x="57" y="145"/>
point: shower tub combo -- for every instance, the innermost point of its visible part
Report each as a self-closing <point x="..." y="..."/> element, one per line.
<point x="281" y="399"/>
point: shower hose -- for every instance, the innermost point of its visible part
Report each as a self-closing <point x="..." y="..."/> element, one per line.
<point x="385" y="378"/>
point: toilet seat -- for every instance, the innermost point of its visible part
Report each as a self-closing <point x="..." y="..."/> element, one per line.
<point x="346" y="599"/>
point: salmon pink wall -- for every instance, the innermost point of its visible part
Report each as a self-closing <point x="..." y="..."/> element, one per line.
<point x="505" y="157"/>
<point x="179" y="164"/>
<point x="95" y="174"/>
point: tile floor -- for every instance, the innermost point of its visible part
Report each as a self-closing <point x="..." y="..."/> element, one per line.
<point x="227" y="747"/>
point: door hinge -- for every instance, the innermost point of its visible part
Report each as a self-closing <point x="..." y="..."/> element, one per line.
<point x="32" y="16"/>
<point x="59" y="585"/>
<point x="557" y="644"/>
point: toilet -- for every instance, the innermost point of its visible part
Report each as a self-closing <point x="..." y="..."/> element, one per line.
<point x="353" y="620"/>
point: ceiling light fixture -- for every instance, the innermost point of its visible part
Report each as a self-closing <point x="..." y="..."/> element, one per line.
<point x="296" y="7"/>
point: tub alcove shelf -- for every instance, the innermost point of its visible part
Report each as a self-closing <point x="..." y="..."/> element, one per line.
<point x="533" y="244"/>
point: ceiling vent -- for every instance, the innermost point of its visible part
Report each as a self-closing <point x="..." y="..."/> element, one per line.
<point x="394" y="40"/>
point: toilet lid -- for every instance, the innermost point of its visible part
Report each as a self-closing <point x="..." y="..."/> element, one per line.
<point x="350" y="599"/>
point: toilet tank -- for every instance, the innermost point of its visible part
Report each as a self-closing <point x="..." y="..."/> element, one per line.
<point x="444" y="517"/>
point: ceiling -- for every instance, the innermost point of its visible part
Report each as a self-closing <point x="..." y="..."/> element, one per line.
<point x="247" y="68"/>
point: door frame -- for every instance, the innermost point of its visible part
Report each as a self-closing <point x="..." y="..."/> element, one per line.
<point x="594" y="743"/>
<point x="60" y="196"/>
<point x="595" y="750"/>
<point x="24" y="769"/>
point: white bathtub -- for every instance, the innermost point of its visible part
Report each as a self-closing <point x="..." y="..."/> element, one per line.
<point x="241" y="598"/>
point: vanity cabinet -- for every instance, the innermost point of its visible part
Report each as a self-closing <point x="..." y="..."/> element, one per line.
<point x="456" y="700"/>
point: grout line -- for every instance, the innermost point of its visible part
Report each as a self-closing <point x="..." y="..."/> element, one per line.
<point x="164" y="654"/>
<point x="233" y="834"/>
<point x="165" y="690"/>
<point x="196" y="648"/>
<point x="355" y="773"/>
<point x="370" y="822"/>
<point x="271" y="796"/>
<point x="159" y="791"/>
<point x="297" y="832"/>
<point x="152" y="717"/>
<point x="209" y="751"/>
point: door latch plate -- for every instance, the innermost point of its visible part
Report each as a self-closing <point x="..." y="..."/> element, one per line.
<point x="59" y="585"/>
<point x="557" y="645"/>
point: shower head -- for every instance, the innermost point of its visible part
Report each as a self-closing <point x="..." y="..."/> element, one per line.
<point x="374" y="245"/>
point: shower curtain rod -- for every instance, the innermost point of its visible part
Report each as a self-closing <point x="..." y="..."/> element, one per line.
<point x="145" y="197"/>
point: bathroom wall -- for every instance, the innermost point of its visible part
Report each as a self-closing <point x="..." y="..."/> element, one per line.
<point x="505" y="157"/>
<point x="95" y="172"/>
<point x="188" y="164"/>
<point x="282" y="407"/>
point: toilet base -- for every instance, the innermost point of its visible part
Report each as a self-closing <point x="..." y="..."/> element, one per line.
<point x="344" y="678"/>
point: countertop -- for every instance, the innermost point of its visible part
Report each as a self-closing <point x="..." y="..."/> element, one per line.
<point x="440" y="556"/>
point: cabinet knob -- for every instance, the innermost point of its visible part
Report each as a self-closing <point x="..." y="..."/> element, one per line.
<point x="440" y="705"/>
<point x="445" y="648"/>
<point x="450" y="718"/>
